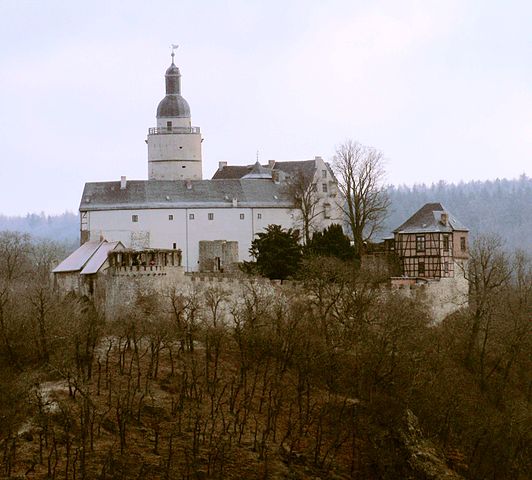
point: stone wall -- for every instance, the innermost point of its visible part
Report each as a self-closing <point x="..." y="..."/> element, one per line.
<point x="217" y="255"/>
<point x="443" y="296"/>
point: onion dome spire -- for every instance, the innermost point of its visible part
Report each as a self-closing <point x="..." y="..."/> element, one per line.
<point x="173" y="105"/>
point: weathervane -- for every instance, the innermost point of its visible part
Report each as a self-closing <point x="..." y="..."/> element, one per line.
<point x="174" y="48"/>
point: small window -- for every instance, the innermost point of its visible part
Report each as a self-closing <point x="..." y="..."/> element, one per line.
<point x="446" y="267"/>
<point x="134" y="218"/>
<point x="463" y="244"/>
<point x="324" y="174"/>
<point x="324" y="187"/>
<point x="169" y="126"/>
<point x="210" y="216"/>
<point x="191" y="216"/>
<point x="446" y="243"/>
<point x="327" y="210"/>
<point x="259" y="216"/>
<point x="421" y="268"/>
<point x="242" y="216"/>
<point x="170" y="217"/>
<point x="420" y="243"/>
<point x="174" y="245"/>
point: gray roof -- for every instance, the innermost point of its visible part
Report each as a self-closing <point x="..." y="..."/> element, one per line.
<point x="77" y="259"/>
<point x="258" y="171"/>
<point x="308" y="167"/>
<point x="141" y="194"/>
<point x="88" y="258"/>
<point x="428" y="219"/>
<point x="173" y="105"/>
<point x="100" y="257"/>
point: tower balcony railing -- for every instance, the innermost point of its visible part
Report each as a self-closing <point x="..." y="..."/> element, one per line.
<point x="169" y="130"/>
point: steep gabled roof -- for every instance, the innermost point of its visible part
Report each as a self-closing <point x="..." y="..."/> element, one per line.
<point x="78" y="259"/>
<point x="429" y="219"/>
<point x="88" y="258"/>
<point x="100" y="257"/>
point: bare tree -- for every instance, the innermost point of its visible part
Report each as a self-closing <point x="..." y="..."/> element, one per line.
<point x="303" y="192"/>
<point x="360" y="175"/>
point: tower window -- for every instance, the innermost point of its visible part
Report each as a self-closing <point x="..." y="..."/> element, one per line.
<point x="134" y="218"/>
<point x="169" y="126"/>
<point x="174" y="245"/>
<point x="259" y="216"/>
<point x="191" y="216"/>
<point x="210" y="216"/>
<point x="462" y="244"/>
<point x="242" y="216"/>
<point x="170" y="217"/>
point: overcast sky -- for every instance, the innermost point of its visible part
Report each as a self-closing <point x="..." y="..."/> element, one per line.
<point x="443" y="88"/>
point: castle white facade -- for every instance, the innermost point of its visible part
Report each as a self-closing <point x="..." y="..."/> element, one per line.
<point x="176" y="209"/>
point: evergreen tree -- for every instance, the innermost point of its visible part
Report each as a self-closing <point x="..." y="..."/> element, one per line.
<point x="277" y="252"/>
<point x="331" y="242"/>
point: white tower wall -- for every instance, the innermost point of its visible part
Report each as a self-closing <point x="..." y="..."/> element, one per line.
<point x="174" y="146"/>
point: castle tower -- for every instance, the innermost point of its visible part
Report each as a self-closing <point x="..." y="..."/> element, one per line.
<point x="174" y="146"/>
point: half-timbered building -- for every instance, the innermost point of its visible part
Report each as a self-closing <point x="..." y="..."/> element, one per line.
<point x="432" y="243"/>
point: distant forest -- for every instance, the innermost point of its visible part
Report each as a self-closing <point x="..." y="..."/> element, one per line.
<point x="501" y="207"/>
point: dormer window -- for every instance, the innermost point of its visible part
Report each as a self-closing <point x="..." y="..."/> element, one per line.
<point x="168" y="126"/>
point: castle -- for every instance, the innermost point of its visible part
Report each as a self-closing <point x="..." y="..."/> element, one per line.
<point x="176" y="209"/>
<point x="174" y="227"/>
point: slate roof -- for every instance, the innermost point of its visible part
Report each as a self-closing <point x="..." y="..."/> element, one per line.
<point x="100" y="256"/>
<point x="232" y="172"/>
<point x="258" y="171"/>
<point x="428" y="219"/>
<point x="77" y="259"/>
<point x="88" y="258"/>
<point x="173" y="106"/>
<point x="238" y="171"/>
<point x="141" y="194"/>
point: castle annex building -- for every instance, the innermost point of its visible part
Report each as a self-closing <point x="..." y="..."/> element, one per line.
<point x="175" y="209"/>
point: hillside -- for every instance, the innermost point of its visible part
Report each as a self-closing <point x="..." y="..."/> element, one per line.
<point x="321" y="378"/>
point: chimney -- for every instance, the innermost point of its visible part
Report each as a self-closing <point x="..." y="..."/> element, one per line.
<point x="271" y="163"/>
<point x="222" y="165"/>
<point x="123" y="182"/>
<point x="444" y="219"/>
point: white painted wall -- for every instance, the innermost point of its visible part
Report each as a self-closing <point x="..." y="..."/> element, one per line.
<point x="174" y="170"/>
<point x="174" y="156"/>
<point x="174" y="146"/>
<point x="157" y="231"/>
